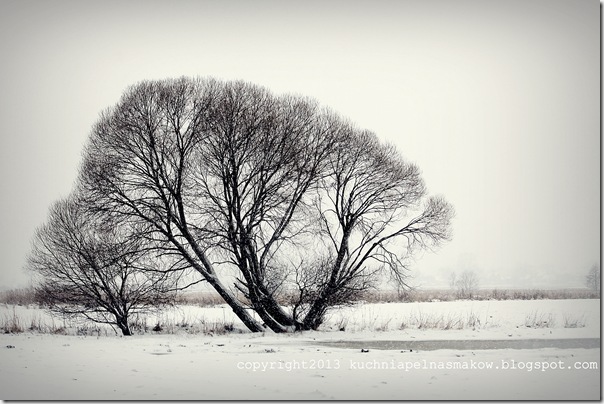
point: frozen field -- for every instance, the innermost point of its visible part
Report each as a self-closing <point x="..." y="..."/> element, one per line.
<point x="201" y="366"/>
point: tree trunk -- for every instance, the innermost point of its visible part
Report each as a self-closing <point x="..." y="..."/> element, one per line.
<point x="274" y="309"/>
<point x="271" y="311"/>
<point x="314" y="317"/>
<point x="122" y="323"/>
<point x="252" y="324"/>
<point x="263" y="302"/>
<point x="269" y="321"/>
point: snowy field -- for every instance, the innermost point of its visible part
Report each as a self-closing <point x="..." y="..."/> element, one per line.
<point x="191" y="359"/>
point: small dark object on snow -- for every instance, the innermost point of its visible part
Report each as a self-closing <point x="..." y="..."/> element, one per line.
<point x="363" y="350"/>
<point x="10" y="346"/>
<point x="157" y="328"/>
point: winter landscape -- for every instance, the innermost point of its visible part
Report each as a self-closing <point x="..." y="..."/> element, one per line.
<point x="269" y="200"/>
<point x="203" y="353"/>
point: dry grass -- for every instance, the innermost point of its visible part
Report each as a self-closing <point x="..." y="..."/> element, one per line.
<point x="199" y="326"/>
<point x="25" y="297"/>
<point x="423" y="321"/>
<point x="420" y="320"/>
<point x="540" y="320"/>
<point x="548" y="320"/>
<point x="18" y="297"/>
<point x="571" y="321"/>
<point x="208" y="299"/>
<point x="484" y="294"/>
<point x="10" y="322"/>
<point x="202" y="299"/>
<point x="13" y="323"/>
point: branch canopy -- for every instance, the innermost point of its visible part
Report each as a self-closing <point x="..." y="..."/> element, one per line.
<point x="266" y="197"/>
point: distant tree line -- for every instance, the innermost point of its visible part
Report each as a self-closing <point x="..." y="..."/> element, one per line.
<point x="263" y="197"/>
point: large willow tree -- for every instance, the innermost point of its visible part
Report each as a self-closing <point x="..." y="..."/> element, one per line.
<point x="264" y="196"/>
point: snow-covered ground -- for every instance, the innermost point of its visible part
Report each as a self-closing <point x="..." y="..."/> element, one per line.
<point x="266" y="366"/>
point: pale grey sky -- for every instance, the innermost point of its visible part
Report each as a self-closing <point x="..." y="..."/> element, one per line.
<point x="498" y="102"/>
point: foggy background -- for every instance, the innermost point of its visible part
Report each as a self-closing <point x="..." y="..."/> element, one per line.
<point x="497" y="102"/>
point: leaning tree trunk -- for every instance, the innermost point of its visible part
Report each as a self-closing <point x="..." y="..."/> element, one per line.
<point x="273" y="314"/>
<point x="274" y="309"/>
<point x="263" y="302"/>
<point x="250" y="322"/>
<point x="315" y="316"/>
<point x="316" y="313"/>
<point x="204" y="268"/>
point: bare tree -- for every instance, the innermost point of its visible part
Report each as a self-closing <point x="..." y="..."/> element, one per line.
<point x="465" y="285"/>
<point x="139" y="165"/>
<point x="258" y="162"/>
<point x="373" y="214"/>
<point x="592" y="279"/>
<point x="234" y="181"/>
<point x="91" y="267"/>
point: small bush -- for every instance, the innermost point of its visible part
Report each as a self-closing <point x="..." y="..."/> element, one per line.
<point x="341" y="324"/>
<point x="19" y="297"/>
<point x="574" y="322"/>
<point x="473" y="321"/>
<point x="383" y="326"/>
<point x="540" y="320"/>
<point x="12" y="324"/>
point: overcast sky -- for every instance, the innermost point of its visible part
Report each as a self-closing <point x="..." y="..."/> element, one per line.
<point x="496" y="101"/>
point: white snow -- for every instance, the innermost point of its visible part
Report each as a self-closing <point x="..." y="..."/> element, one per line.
<point x="234" y="366"/>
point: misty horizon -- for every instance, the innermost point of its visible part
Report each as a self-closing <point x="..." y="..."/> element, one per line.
<point x="498" y="105"/>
